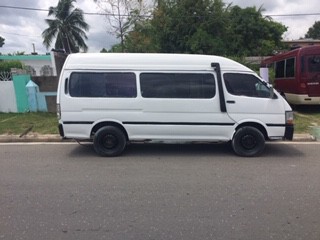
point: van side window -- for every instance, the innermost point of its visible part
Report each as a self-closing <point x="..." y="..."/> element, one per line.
<point x="290" y="64"/>
<point x="113" y="85"/>
<point x="245" y="85"/>
<point x="177" y="85"/>
<point x="285" y="68"/>
<point x="279" y="69"/>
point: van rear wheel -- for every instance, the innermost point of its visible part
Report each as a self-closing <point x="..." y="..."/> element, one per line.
<point x="109" y="141"/>
<point x="248" y="142"/>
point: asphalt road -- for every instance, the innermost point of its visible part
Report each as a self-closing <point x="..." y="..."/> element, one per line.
<point x="65" y="191"/>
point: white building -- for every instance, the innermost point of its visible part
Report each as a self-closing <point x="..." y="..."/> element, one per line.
<point x="36" y="65"/>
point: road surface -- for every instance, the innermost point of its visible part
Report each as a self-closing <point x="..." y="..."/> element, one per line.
<point x="66" y="191"/>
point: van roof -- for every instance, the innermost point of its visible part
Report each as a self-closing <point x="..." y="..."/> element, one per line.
<point x="148" y="61"/>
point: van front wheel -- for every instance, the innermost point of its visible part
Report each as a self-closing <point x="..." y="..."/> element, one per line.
<point x="248" y="142"/>
<point x="109" y="141"/>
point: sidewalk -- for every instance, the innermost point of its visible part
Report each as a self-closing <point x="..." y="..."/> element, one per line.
<point x="56" y="138"/>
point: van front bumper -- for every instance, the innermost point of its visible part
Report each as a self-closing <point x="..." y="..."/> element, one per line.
<point x="288" y="134"/>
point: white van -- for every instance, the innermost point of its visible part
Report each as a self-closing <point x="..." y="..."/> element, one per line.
<point x="114" y="99"/>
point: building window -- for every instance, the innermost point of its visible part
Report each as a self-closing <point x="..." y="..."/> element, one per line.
<point x="30" y="70"/>
<point x="46" y="70"/>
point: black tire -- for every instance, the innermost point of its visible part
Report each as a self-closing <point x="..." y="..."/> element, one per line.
<point x="109" y="141"/>
<point x="248" y="142"/>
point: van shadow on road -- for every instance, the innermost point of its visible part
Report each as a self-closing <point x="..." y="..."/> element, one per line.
<point x="272" y="150"/>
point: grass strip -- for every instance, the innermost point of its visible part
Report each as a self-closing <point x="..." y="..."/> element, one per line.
<point x="18" y="123"/>
<point x="46" y="123"/>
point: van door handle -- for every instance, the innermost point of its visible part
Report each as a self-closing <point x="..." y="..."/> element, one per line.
<point x="231" y="101"/>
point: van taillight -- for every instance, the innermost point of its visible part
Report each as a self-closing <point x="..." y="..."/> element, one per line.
<point x="303" y="85"/>
<point x="58" y="111"/>
<point x="289" y="118"/>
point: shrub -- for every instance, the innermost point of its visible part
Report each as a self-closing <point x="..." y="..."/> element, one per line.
<point x="5" y="66"/>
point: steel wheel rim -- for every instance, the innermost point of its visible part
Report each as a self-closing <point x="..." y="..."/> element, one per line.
<point x="109" y="141"/>
<point x="248" y="142"/>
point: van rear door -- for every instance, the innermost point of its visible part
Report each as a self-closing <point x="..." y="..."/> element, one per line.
<point x="313" y="75"/>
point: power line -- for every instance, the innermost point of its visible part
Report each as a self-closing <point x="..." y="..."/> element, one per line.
<point x="86" y="13"/>
<point x="25" y="8"/>
<point x="128" y="15"/>
<point x="18" y="34"/>
<point x="292" y="15"/>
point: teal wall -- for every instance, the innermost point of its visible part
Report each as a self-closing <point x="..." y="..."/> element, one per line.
<point x="20" y="82"/>
<point x="25" y="57"/>
<point x="28" y="96"/>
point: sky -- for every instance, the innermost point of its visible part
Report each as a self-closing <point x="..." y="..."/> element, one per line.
<point x="22" y="28"/>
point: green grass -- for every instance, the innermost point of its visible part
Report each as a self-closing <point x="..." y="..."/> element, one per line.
<point x="18" y="123"/>
<point x="304" y="121"/>
<point x="47" y="123"/>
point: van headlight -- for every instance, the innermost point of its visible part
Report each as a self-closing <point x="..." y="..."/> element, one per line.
<point x="289" y="118"/>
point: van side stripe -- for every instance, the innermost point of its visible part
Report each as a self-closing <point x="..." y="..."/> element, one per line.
<point x="77" y="122"/>
<point x="175" y="123"/>
<point x="180" y="123"/>
<point x="276" y="125"/>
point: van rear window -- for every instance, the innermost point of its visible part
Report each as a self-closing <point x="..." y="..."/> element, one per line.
<point x="111" y="84"/>
<point x="177" y="85"/>
<point x="314" y="63"/>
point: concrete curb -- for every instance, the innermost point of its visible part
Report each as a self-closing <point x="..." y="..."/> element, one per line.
<point x="57" y="138"/>
<point x="32" y="138"/>
<point x="303" y="138"/>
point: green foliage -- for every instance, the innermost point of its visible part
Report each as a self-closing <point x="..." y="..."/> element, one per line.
<point x="190" y="26"/>
<point x="18" y="53"/>
<point x="103" y="50"/>
<point x="205" y="27"/>
<point x="1" y="41"/>
<point x="314" y="31"/>
<point x="116" y="48"/>
<point x="142" y="39"/>
<point x="5" y="66"/>
<point x="251" y="33"/>
<point x="243" y="61"/>
<point x="68" y="27"/>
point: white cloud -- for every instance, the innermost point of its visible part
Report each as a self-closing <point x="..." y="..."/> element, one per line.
<point x="22" y="28"/>
<point x="297" y="25"/>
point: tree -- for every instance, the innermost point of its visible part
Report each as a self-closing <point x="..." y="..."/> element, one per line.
<point x="205" y="27"/>
<point x="188" y="26"/>
<point x="252" y="34"/>
<point x="314" y="31"/>
<point x="68" y="27"/>
<point x="103" y="50"/>
<point x="122" y="15"/>
<point x="1" y="41"/>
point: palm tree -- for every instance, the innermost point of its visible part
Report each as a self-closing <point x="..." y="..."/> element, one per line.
<point x="68" y="28"/>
